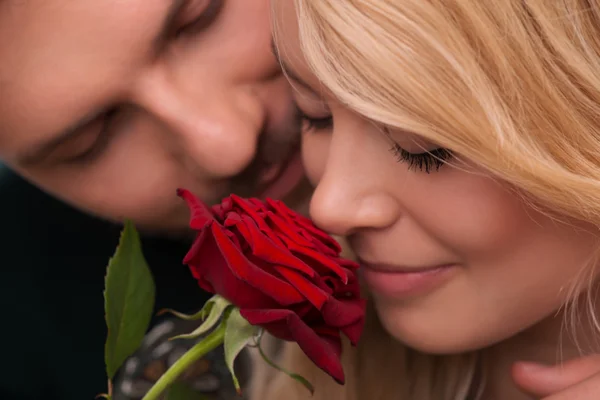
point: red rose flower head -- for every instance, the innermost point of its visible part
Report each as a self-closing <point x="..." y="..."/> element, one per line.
<point x="283" y="273"/>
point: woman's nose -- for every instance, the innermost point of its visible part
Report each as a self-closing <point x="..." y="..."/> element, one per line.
<point x="351" y="191"/>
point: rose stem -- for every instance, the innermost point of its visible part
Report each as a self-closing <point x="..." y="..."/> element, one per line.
<point x="209" y="343"/>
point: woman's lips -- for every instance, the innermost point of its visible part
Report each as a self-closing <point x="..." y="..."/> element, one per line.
<point x="402" y="282"/>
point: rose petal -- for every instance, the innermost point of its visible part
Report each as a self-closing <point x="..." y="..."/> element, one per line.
<point x="319" y="350"/>
<point x="341" y="290"/>
<point x="244" y="270"/>
<point x="295" y="218"/>
<point x="256" y="236"/>
<point x="258" y="205"/>
<point x="338" y="313"/>
<point x="287" y="229"/>
<point x="317" y="234"/>
<point x="332" y="336"/>
<point x="269" y="251"/>
<point x="194" y="251"/>
<point x="349" y="290"/>
<point x="193" y="259"/>
<point x="347" y="315"/>
<point x="348" y="264"/>
<point x="208" y="265"/>
<point x="308" y="289"/>
<point x="219" y="212"/>
<point x="201" y="215"/>
<point x="249" y="209"/>
<point x="237" y="220"/>
<point x="319" y="260"/>
<point x="354" y="331"/>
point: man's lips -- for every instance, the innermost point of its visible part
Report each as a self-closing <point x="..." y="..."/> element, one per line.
<point x="280" y="180"/>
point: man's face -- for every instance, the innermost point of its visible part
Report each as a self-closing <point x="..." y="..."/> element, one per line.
<point x="111" y="105"/>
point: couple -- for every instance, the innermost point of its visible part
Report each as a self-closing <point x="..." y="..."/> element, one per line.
<point x="455" y="144"/>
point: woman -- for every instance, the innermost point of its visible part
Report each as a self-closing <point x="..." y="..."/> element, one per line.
<point x="457" y="145"/>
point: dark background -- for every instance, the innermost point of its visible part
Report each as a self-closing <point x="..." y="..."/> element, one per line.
<point x="54" y="258"/>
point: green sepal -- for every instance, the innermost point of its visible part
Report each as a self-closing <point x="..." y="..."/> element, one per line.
<point x="238" y="333"/>
<point x="203" y="313"/>
<point x="298" y="378"/>
<point x="216" y="306"/>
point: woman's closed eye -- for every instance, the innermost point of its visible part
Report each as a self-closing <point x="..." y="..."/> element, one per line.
<point x="427" y="161"/>
<point x="424" y="161"/>
<point x="314" y="123"/>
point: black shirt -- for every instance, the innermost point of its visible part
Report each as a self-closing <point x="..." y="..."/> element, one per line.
<point x="54" y="259"/>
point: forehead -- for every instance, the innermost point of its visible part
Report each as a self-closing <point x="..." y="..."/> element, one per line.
<point x="286" y="38"/>
<point x="50" y="49"/>
<point x="33" y="32"/>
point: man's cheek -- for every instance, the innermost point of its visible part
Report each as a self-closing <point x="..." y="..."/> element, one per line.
<point x="315" y="149"/>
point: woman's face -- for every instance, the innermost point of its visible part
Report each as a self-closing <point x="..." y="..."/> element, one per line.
<point x="455" y="259"/>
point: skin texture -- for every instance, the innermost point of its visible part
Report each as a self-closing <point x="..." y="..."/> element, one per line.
<point x="205" y="107"/>
<point x="513" y="265"/>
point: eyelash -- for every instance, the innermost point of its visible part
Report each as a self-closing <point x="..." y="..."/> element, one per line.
<point x="427" y="161"/>
<point x="309" y="124"/>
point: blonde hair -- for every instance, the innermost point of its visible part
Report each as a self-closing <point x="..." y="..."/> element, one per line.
<point x="510" y="85"/>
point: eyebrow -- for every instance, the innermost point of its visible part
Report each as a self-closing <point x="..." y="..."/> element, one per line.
<point x="41" y="151"/>
<point x="164" y="33"/>
<point x="288" y="71"/>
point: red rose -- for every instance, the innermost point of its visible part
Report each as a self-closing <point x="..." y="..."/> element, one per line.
<point x="283" y="273"/>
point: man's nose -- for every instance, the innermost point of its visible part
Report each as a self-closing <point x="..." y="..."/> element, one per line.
<point x="214" y="129"/>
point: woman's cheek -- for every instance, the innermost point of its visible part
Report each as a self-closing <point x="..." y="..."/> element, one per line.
<point x="315" y="149"/>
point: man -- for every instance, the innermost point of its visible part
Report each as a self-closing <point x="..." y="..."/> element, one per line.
<point x="109" y="106"/>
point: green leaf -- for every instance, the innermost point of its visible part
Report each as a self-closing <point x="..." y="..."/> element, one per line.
<point x="181" y="391"/>
<point x="128" y="300"/>
<point x="238" y="333"/>
<point x="217" y="305"/>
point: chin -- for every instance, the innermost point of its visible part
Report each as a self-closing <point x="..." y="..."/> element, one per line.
<point x="435" y="336"/>
<point x="174" y="225"/>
